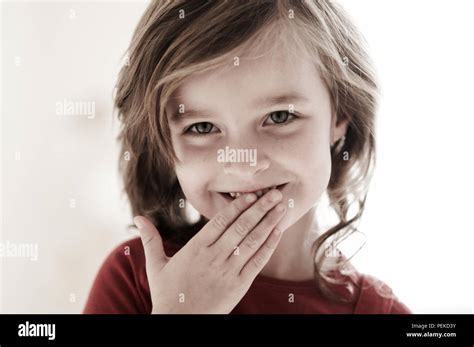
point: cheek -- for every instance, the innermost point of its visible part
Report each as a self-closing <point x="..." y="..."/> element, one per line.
<point x="308" y="157"/>
<point x="193" y="178"/>
<point x="194" y="172"/>
<point x="318" y="160"/>
<point x="187" y="151"/>
<point x="307" y="151"/>
<point x="317" y="165"/>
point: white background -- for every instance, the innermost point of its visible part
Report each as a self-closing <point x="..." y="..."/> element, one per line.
<point x="418" y="220"/>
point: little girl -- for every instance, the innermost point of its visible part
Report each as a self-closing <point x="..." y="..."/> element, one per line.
<point x="285" y="89"/>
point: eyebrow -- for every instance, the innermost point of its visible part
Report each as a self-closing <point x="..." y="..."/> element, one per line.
<point x="261" y="102"/>
<point x="271" y="100"/>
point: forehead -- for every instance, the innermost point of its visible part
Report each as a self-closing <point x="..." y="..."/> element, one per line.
<point x="256" y="78"/>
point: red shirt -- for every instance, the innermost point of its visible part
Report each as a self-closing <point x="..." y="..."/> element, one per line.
<point x="121" y="286"/>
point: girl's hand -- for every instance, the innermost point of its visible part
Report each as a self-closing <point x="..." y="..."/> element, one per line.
<point x="214" y="270"/>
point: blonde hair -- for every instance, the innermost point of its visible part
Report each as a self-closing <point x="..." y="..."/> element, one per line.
<point x="178" y="39"/>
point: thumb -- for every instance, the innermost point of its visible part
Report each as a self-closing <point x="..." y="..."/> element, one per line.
<point x="152" y="243"/>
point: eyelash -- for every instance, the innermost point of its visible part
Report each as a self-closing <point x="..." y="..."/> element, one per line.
<point x="292" y="117"/>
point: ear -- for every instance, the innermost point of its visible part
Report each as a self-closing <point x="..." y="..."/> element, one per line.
<point x="338" y="128"/>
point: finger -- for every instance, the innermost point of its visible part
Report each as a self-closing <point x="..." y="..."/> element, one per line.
<point x="256" y="263"/>
<point x="246" y="222"/>
<point x="223" y="219"/>
<point x="152" y="243"/>
<point x="254" y="240"/>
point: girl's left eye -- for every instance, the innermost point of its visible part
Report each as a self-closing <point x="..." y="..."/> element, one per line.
<point x="280" y="118"/>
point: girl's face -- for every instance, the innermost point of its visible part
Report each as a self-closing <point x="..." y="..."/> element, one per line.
<point x="273" y="114"/>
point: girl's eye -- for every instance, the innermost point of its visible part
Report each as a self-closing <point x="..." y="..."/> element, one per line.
<point x="203" y="128"/>
<point x="281" y="117"/>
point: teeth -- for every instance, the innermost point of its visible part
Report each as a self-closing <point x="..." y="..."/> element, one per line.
<point x="259" y="193"/>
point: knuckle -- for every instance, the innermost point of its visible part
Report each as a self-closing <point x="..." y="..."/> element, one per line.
<point x="270" y="220"/>
<point x="251" y="241"/>
<point x="258" y="261"/>
<point x="220" y="222"/>
<point x="269" y="246"/>
<point x="262" y="208"/>
<point x="239" y="206"/>
<point x="242" y="227"/>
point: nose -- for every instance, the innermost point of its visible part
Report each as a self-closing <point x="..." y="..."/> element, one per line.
<point x="243" y="161"/>
<point x="243" y="155"/>
<point x="244" y="169"/>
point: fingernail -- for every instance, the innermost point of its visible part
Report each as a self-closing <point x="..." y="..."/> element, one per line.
<point x="250" y="198"/>
<point x="138" y="222"/>
<point x="275" y="195"/>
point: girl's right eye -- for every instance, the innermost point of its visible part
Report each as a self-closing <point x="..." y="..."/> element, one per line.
<point x="202" y="129"/>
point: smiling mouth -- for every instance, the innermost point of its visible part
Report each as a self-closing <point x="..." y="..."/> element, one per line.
<point x="259" y="193"/>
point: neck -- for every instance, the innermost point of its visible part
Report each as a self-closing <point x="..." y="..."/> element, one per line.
<point x="292" y="259"/>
